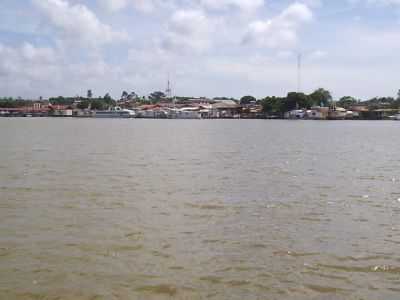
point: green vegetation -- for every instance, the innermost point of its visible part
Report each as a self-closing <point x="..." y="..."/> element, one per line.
<point x="277" y="106"/>
<point x="157" y="97"/>
<point x="63" y="101"/>
<point x="347" y="102"/>
<point x="320" y="97"/>
<point x="14" y="103"/>
<point x="247" y="100"/>
<point x="271" y="105"/>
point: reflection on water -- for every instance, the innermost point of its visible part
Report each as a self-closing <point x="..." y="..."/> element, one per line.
<point x="164" y="209"/>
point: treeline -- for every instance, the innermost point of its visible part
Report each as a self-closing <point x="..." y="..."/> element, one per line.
<point x="271" y="104"/>
<point x="14" y="103"/>
<point x="280" y="105"/>
<point x="99" y="103"/>
<point x="321" y="97"/>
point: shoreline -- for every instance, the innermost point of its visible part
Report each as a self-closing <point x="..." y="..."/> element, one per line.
<point x="193" y="119"/>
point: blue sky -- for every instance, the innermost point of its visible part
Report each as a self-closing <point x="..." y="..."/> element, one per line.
<point x="208" y="47"/>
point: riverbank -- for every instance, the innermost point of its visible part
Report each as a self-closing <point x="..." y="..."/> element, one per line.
<point x="220" y="110"/>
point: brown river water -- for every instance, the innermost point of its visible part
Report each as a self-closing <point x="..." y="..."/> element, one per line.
<point x="202" y="209"/>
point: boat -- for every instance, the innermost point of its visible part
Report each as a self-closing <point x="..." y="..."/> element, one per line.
<point x="184" y="113"/>
<point x="395" y="117"/>
<point x="116" y="113"/>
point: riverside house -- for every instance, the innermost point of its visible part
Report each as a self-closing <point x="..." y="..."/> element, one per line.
<point x="225" y="110"/>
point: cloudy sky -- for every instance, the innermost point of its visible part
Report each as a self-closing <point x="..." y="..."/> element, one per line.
<point x="209" y="47"/>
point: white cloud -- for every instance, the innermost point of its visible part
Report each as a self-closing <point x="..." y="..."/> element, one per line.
<point x="77" y="23"/>
<point x="114" y="5"/>
<point x="144" y="6"/>
<point x="188" y="30"/>
<point x="281" y="31"/>
<point x="196" y="41"/>
<point x="215" y="5"/>
<point x="23" y="69"/>
<point x="376" y="2"/>
<point x="312" y="3"/>
<point x="31" y="71"/>
<point x="246" y="5"/>
<point x="317" y="55"/>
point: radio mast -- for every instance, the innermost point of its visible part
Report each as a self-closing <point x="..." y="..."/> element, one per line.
<point x="168" y="91"/>
<point x="299" y="58"/>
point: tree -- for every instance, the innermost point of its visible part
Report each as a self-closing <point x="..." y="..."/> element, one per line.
<point x="108" y="100"/>
<point x="89" y="94"/>
<point x="156" y="96"/>
<point x="132" y="96"/>
<point x="83" y="104"/>
<point x="62" y="101"/>
<point x="321" y="97"/>
<point x="247" y="100"/>
<point x="98" y="104"/>
<point x="296" y="101"/>
<point x="124" y="95"/>
<point x="225" y="98"/>
<point x="346" y="102"/>
<point x="381" y="102"/>
<point x="272" y="105"/>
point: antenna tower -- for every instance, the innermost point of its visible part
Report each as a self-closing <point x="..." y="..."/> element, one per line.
<point x="299" y="58"/>
<point x="168" y="91"/>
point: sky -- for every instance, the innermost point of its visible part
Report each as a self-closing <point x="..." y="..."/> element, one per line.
<point x="209" y="48"/>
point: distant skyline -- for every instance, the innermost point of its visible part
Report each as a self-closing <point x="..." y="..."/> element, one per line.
<point x="209" y="48"/>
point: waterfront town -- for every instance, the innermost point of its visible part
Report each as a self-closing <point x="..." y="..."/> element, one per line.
<point x="318" y="105"/>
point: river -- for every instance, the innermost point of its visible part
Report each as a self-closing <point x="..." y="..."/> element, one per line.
<point x="205" y="209"/>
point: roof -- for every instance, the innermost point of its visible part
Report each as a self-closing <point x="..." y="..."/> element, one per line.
<point x="222" y="105"/>
<point x="229" y="102"/>
<point x="148" y="106"/>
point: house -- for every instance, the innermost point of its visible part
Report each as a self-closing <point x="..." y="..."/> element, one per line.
<point x="62" y="113"/>
<point x="337" y="113"/>
<point x="295" y="114"/>
<point x="253" y="111"/>
<point x="317" y="113"/>
<point x="225" y="110"/>
<point x="185" y="113"/>
<point x="382" y="114"/>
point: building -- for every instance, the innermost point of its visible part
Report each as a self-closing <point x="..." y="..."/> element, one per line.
<point x="317" y="113"/>
<point x="295" y="114"/>
<point x="225" y="110"/>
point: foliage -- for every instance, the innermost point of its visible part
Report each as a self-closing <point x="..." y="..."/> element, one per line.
<point x="124" y="95"/>
<point x="346" y="102"/>
<point x="12" y="103"/>
<point x="62" y="101"/>
<point x="157" y="96"/>
<point x="273" y="105"/>
<point x="382" y="102"/>
<point x="295" y="100"/>
<point x="98" y="104"/>
<point x="247" y="100"/>
<point x="83" y="104"/>
<point x="321" y="97"/>
<point x="224" y="98"/>
<point x="108" y="100"/>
